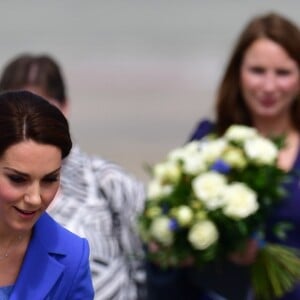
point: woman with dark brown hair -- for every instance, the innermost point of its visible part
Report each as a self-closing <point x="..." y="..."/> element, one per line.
<point x="260" y="88"/>
<point x="97" y="199"/>
<point x="231" y="104"/>
<point x="39" y="259"/>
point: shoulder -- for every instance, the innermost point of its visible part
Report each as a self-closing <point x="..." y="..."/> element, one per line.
<point x="94" y="170"/>
<point x="202" y="128"/>
<point x="108" y="172"/>
<point x="119" y="187"/>
<point x="88" y="174"/>
<point x="56" y="246"/>
<point x="94" y="165"/>
<point x="57" y="239"/>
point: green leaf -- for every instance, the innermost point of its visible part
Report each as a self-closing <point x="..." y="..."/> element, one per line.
<point x="275" y="272"/>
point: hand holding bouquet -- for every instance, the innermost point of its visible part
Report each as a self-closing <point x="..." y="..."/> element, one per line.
<point x="209" y="197"/>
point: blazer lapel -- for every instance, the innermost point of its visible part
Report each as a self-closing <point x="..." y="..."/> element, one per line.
<point x="39" y="273"/>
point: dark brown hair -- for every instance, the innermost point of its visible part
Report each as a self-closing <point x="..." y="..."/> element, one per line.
<point x="26" y="116"/>
<point x="40" y="71"/>
<point x="230" y="105"/>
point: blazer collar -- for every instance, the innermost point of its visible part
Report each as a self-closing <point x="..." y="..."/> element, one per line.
<point x="40" y="270"/>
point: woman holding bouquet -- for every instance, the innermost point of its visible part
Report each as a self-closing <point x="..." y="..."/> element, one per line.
<point x="260" y="88"/>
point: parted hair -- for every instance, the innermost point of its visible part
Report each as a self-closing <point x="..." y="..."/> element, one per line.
<point x="26" y="116"/>
<point x="230" y="105"/>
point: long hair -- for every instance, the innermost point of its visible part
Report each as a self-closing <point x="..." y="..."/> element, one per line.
<point x="230" y="105"/>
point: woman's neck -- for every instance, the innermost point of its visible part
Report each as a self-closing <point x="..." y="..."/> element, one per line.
<point x="12" y="252"/>
<point x="7" y="238"/>
<point x="271" y="127"/>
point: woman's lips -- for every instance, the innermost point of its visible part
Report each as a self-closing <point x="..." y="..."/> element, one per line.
<point x="267" y="102"/>
<point x="25" y="213"/>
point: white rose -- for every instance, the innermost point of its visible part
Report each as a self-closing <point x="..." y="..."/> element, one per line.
<point x="235" y="157"/>
<point x="208" y="188"/>
<point x="240" y="133"/>
<point x="211" y="150"/>
<point x="261" y="150"/>
<point x="184" y="215"/>
<point x="176" y="154"/>
<point x="160" y="230"/>
<point x="192" y="146"/>
<point x="180" y="153"/>
<point x="167" y="172"/>
<point x="203" y="234"/>
<point x="156" y="189"/>
<point x="194" y="164"/>
<point x="240" y="201"/>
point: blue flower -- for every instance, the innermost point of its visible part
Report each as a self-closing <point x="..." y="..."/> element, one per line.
<point x="173" y="224"/>
<point x="221" y="166"/>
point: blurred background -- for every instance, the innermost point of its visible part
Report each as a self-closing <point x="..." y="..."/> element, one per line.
<point x="140" y="74"/>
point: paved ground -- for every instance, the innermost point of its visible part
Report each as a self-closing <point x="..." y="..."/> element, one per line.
<point x="140" y="73"/>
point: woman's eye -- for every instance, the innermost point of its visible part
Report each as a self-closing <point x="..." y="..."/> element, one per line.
<point x="51" y="179"/>
<point x="16" y="178"/>
<point x="257" y="70"/>
<point x="283" y="72"/>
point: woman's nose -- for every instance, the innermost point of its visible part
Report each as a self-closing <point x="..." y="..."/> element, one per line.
<point x="33" y="195"/>
<point x="269" y="83"/>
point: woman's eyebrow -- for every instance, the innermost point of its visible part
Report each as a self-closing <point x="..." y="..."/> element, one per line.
<point x="27" y="175"/>
<point x="54" y="172"/>
<point x="15" y="171"/>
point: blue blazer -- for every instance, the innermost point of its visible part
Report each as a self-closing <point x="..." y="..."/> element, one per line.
<point x="55" y="266"/>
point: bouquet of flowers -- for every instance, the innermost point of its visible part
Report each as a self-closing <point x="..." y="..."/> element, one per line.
<point x="209" y="197"/>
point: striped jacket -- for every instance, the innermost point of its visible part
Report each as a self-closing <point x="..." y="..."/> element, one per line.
<point x="99" y="201"/>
